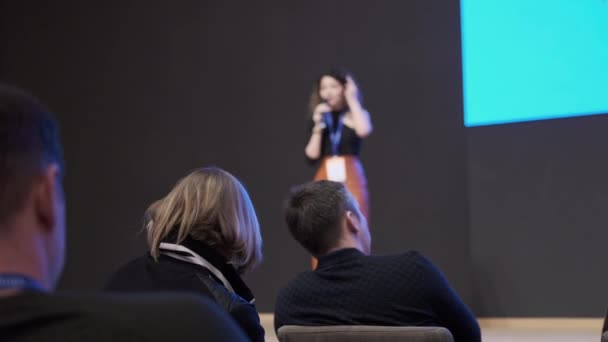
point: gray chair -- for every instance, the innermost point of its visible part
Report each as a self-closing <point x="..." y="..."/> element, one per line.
<point x="362" y="333"/>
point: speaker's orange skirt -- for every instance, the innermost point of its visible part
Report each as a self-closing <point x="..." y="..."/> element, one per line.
<point x="355" y="182"/>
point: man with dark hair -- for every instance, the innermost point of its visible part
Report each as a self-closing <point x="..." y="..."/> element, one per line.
<point x="32" y="249"/>
<point x="350" y="287"/>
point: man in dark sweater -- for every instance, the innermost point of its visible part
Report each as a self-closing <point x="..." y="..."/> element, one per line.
<point x="32" y="248"/>
<point x="350" y="287"/>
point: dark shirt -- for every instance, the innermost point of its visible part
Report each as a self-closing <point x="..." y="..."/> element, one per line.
<point x="168" y="274"/>
<point x="37" y="316"/>
<point x="349" y="143"/>
<point x="350" y="288"/>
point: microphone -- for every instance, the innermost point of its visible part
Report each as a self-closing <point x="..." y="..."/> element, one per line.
<point x="326" y="115"/>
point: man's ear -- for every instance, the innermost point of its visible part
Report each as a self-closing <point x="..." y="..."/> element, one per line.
<point x="352" y="222"/>
<point x="46" y="193"/>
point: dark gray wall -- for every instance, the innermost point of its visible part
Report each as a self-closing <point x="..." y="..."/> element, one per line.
<point x="538" y="216"/>
<point x="147" y="90"/>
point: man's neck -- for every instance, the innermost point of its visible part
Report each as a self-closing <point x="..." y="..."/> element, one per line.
<point x="16" y="258"/>
<point x="343" y="246"/>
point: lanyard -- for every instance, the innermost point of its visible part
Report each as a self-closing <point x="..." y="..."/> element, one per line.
<point x="193" y="258"/>
<point x="334" y="136"/>
<point x="18" y="281"/>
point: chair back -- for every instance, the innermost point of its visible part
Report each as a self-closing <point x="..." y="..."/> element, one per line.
<point x="362" y="333"/>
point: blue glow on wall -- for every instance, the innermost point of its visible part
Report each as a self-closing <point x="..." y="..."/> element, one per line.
<point x="533" y="59"/>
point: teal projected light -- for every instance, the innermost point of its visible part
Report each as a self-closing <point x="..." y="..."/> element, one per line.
<point x="533" y="59"/>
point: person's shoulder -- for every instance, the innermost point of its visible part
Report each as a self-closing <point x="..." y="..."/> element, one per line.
<point x="126" y="304"/>
<point x="129" y="266"/>
<point x="158" y="316"/>
<point x="112" y="317"/>
<point x="125" y="272"/>
<point x="137" y="262"/>
<point x="300" y="277"/>
<point x="411" y="256"/>
<point x="162" y="274"/>
<point x="408" y="263"/>
<point x="295" y="284"/>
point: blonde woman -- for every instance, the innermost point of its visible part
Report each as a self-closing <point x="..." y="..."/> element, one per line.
<point x="201" y="236"/>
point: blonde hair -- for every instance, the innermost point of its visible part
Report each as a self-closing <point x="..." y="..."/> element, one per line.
<point x="212" y="206"/>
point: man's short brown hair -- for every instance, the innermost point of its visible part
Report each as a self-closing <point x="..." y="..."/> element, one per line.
<point x="313" y="212"/>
